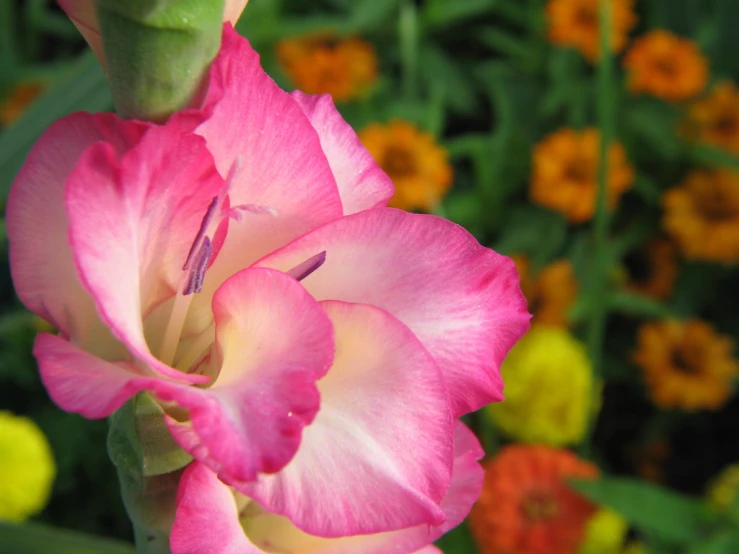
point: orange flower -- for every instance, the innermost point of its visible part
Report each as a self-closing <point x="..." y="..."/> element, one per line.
<point x="565" y="173"/>
<point x="551" y="292"/>
<point x="342" y="67"/>
<point x="702" y="215"/>
<point x="714" y="120"/>
<point x="666" y="66"/>
<point x="686" y="365"/>
<point x="417" y="165"/>
<point x="20" y="97"/>
<point x="653" y="269"/>
<point x="576" y="23"/>
<point x="526" y="506"/>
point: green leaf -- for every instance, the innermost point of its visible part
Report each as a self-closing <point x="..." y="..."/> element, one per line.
<point x="714" y="157"/>
<point x="720" y="544"/>
<point x="651" y="509"/>
<point x="635" y="304"/>
<point x="457" y="541"/>
<point x="533" y="231"/>
<point x="443" y="13"/>
<point x="368" y="15"/>
<point x="83" y="87"/>
<point x="33" y="538"/>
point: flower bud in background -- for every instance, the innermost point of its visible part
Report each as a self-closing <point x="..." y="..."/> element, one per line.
<point x="605" y="533"/>
<point x="27" y="468"/>
<point x="155" y="53"/>
<point x="548" y="389"/>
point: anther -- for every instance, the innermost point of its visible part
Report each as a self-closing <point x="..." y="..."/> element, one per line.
<point x="302" y="270"/>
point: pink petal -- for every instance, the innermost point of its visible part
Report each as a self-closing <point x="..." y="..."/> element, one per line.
<point x="261" y="138"/>
<point x="41" y="261"/>
<point x="233" y="9"/>
<point x="378" y="456"/>
<point x="362" y="182"/>
<point x="132" y="223"/>
<point x="463" y="301"/>
<point x="275" y="343"/>
<point x="82" y="13"/>
<point x="82" y="383"/>
<point x="207" y="518"/>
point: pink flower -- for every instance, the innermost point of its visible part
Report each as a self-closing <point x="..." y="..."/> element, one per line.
<point x="82" y="13"/>
<point x="238" y="525"/>
<point x="309" y="346"/>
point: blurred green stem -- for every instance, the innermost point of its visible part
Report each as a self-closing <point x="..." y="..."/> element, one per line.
<point x="599" y="268"/>
<point x="408" y="37"/>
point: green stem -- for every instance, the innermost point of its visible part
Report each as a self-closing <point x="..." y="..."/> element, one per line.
<point x="408" y="37"/>
<point x="599" y="269"/>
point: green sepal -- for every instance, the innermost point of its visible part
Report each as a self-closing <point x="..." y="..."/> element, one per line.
<point x="139" y="442"/>
<point x="157" y="52"/>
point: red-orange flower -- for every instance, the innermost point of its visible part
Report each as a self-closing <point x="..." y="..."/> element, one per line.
<point x="576" y="23"/>
<point x="686" y="365"/>
<point x="666" y="66"/>
<point x="714" y="120"/>
<point x="653" y="268"/>
<point x="551" y="291"/>
<point x="526" y="506"/>
<point x="18" y="100"/>
<point x="323" y="63"/>
<point x="565" y="173"/>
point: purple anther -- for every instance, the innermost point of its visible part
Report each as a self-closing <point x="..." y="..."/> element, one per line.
<point x="302" y="270"/>
<point x="236" y="212"/>
<point x="201" y="232"/>
<point x="200" y="264"/>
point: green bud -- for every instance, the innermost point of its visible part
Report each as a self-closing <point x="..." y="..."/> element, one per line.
<point x="157" y="52"/>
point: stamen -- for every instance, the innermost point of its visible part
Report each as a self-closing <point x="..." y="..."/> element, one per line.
<point x="302" y="270"/>
<point x="236" y="212"/>
<point x="200" y="264"/>
<point x="201" y="232"/>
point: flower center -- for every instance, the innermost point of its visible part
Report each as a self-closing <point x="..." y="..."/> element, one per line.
<point x="686" y="360"/>
<point x="398" y="162"/>
<point x="727" y="125"/>
<point x="716" y="207"/>
<point x="579" y="170"/>
<point x="539" y="506"/>
<point x="586" y="16"/>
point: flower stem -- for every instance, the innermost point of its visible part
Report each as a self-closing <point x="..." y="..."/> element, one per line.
<point x="408" y="37"/>
<point x="599" y="269"/>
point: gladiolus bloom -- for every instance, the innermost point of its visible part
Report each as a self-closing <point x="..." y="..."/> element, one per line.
<point x="309" y="347"/>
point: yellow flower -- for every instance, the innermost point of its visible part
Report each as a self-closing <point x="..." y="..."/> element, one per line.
<point x="686" y="365"/>
<point x="714" y="120"/>
<point x="26" y="466"/>
<point x="565" y="173"/>
<point x="345" y="68"/>
<point x="605" y="533"/>
<point x="417" y="165"/>
<point x="18" y="100"/>
<point x="576" y="23"/>
<point x="702" y="215"/>
<point x="653" y="268"/>
<point x="548" y="389"/>
<point x="666" y="66"/>
<point x="723" y="490"/>
<point x="551" y="292"/>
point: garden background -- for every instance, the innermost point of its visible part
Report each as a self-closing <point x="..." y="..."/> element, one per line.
<point x="494" y="114"/>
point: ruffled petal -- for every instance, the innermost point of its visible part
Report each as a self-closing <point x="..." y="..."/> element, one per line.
<point x="261" y="139"/>
<point x="275" y="342"/>
<point x="205" y="504"/>
<point x="41" y="260"/>
<point x="132" y="224"/>
<point x="463" y="301"/>
<point x="82" y="383"/>
<point x="378" y="456"/>
<point x="362" y="182"/>
<point x="207" y="518"/>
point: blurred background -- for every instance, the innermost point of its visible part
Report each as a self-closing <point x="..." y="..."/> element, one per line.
<point x="489" y="113"/>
